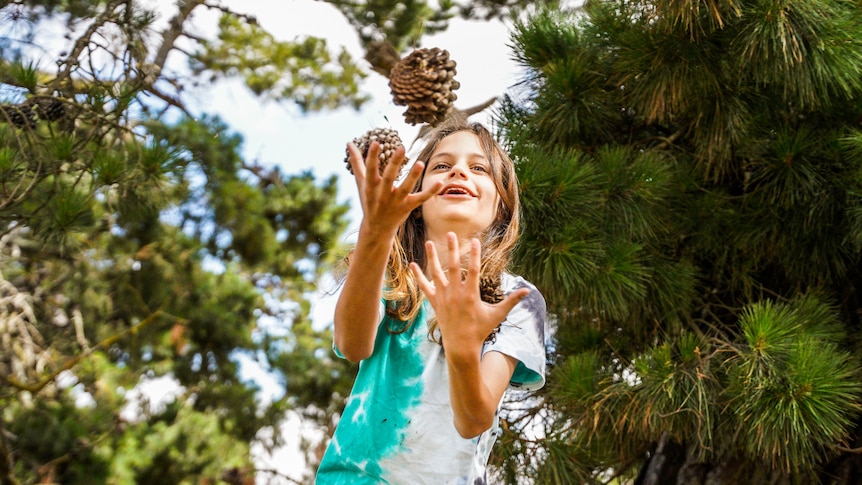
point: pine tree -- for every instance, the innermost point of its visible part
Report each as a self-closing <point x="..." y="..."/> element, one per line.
<point x="691" y="175"/>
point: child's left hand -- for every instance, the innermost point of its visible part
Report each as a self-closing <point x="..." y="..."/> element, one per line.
<point x="465" y="321"/>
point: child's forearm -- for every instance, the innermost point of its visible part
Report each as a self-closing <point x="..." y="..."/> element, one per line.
<point x="476" y="386"/>
<point x="356" y="311"/>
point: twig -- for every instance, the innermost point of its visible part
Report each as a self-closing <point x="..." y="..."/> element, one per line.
<point x="73" y="361"/>
<point x="277" y="473"/>
<point x="844" y="449"/>
<point x="7" y="476"/>
<point x="251" y="19"/>
<point x="83" y="42"/>
<point x="174" y="30"/>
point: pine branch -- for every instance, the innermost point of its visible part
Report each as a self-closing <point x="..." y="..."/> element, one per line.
<point x="845" y="449"/>
<point x="382" y="56"/>
<point x="455" y="113"/>
<point x="174" y="31"/>
<point x="83" y="42"/>
<point x="273" y="472"/>
<point x="47" y="470"/>
<point x="251" y="19"/>
<point x="7" y="463"/>
<point x="74" y="361"/>
<point x="170" y="100"/>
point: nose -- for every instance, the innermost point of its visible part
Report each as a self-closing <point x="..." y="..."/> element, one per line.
<point x="458" y="171"/>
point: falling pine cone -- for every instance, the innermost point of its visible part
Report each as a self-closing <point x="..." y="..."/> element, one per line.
<point x="389" y="141"/>
<point x="424" y="81"/>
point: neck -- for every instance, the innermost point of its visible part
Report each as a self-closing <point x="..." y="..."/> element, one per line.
<point x="441" y="243"/>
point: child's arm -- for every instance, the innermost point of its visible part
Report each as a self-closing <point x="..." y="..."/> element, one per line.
<point x="476" y="384"/>
<point x="384" y="207"/>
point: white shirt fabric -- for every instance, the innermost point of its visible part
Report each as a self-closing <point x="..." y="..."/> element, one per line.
<point x="398" y="425"/>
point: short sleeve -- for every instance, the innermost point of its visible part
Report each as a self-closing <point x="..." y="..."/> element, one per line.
<point x="522" y="335"/>
<point x="381" y="312"/>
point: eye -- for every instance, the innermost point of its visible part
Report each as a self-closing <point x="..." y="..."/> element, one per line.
<point x="440" y="166"/>
<point x="480" y="168"/>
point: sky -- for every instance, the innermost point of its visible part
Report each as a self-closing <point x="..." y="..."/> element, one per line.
<point x="277" y="134"/>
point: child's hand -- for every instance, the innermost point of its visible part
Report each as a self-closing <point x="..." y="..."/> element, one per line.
<point x="384" y="205"/>
<point x="465" y="321"/>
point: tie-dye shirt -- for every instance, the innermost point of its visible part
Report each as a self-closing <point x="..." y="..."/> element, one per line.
<point x="398" y="425"/>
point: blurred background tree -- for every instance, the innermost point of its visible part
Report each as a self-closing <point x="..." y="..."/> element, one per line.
<point x="692" y="180"/>
<point x="137" y="243"/>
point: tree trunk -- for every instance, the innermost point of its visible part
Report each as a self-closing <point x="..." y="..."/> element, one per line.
<point x="673" y="463"/>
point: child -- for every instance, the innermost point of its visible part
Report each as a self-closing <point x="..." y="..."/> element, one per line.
<point x="441" y="329"/>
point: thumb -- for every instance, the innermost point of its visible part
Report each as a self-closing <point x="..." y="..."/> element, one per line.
<point x="512" y="299"/>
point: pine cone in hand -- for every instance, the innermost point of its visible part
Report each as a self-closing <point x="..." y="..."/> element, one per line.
<point x="389" y="141"/>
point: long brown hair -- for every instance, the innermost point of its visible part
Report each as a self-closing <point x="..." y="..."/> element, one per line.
<point x="401" y="291"/>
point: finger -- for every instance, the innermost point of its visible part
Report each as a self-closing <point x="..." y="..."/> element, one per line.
<point x="372" y="161"/>
<point x="511" y="300"/>
<point x="454" y="254"/>
<point x="474" y="265"/>
<point x="426" y="286"/>
<point x="406" y="185"/>
<point x="423" y="195"/>
<point x="393" y="164"/>
<point x="355" y="159"/>
<point x="416" y="199"/>
<point x="413" y="175"/>
<point x="437" y="274"/>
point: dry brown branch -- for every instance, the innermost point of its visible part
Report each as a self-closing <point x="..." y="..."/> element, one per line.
<point x="82" y="43"/>
<point x="174" y="31"/>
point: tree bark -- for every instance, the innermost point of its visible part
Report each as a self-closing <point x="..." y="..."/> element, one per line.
<point x="672" y="463"/>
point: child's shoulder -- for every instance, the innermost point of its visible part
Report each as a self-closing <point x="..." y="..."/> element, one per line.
<point x="511" y="282"/>
<point x="534" y="300"/>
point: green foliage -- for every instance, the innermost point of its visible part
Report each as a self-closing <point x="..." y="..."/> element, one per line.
<point x="401" y="24"/>
<point x="303" y="71"/>
<point x="691" y="188"/>
<point x="792" y="388"/>
<point x="74" y="433"/>
<point x="182" y="447"/>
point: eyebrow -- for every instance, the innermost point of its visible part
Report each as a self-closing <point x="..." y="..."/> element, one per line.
<point x="451" y="155"/>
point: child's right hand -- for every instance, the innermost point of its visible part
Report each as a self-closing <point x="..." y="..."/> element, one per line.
<point x="384" y="205"/>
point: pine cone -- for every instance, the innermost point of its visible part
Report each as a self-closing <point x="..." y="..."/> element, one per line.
<point x="389" y="141"/>
<point x="490" y="292"/>
<point x="26" y="114"/>
<point x="47" y="107"/>
<point x="424" y="81"/>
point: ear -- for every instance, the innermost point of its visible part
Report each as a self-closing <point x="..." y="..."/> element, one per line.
<point x="417" y="213"/>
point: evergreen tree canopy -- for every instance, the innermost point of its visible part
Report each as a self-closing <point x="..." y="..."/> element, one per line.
<point x="691" y="174"/>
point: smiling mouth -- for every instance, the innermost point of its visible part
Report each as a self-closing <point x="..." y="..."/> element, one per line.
<point x="455" y="190"/>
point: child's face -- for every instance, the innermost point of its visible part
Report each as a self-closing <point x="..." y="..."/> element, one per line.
<point x="469" y="198"/>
